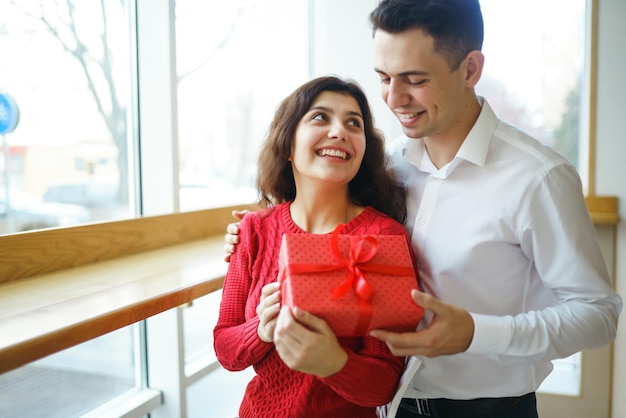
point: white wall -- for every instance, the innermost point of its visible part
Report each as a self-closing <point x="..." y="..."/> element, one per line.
<point x="611" y="156"/>
<point x="351" y="56"/>
<point x="345" y="25"/>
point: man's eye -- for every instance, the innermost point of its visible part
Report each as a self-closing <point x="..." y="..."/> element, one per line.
<point x="416" y="82"/>
<point x="384" y="80"/>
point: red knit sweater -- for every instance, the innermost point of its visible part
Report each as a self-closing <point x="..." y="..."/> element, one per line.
<point x="368" y="379"/>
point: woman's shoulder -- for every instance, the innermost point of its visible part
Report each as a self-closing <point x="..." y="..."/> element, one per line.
<point x="377" y="222"/>
<point x="263" y="218"/>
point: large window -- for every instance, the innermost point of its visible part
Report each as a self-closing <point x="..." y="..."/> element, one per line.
<point x="70" y="67"/>
<point x="66" y="65"/>
<point x="235" y="61"/>
<point x="74" y="381"/>
<point x="534" y="73"/>
<point x="535" y="78"/>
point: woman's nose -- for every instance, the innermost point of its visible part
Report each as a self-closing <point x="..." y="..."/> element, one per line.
<point x="337" y="130"/>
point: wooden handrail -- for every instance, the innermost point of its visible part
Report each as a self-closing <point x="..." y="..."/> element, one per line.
<point x="28" y="254"/>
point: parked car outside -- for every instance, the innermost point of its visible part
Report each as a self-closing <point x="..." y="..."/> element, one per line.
<point x="91" y="194"/>
<point x="101" y="197"/>
<point x="24" y="213"/>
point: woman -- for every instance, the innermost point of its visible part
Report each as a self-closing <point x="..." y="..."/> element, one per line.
<point x="323" y="164"/>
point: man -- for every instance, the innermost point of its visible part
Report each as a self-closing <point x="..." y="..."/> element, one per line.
<point x="512" y="274"/>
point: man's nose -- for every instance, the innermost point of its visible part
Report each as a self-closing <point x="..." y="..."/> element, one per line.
<point x="395" y="94"/>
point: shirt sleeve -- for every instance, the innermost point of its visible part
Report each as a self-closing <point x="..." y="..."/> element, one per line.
<point x="236" y="341"/>
<point x="556" y="232"/>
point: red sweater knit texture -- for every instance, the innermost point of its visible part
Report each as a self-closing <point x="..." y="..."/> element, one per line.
<point x="369" y="378"/>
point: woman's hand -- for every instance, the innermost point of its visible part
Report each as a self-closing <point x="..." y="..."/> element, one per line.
<point x="306" y="343"/>
<point x="267" y="310"/>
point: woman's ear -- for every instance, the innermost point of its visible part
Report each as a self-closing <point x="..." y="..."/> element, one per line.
<point x="474" y="62"/>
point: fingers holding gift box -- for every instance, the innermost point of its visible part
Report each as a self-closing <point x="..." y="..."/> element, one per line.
<point x="355" y="283"/>
<point x="267" y="310"/>
<point x="306" y="343"/>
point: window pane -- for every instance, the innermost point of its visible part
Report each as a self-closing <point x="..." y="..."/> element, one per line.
<point x="220" y="392"/>
<point x="565" y="379"/>
<point x="235" y="61"/>
<point x="66" y="66"/>
<point x="71" y="382"/>
<point x="534" y="78"/>
<point x="199" y="320"/>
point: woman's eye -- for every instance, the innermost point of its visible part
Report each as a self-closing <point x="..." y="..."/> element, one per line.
<point x="319" y="116"/>
<point x="354" y="122"/>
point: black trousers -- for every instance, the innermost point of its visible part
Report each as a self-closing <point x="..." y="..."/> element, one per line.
<point x="514" y="407"/>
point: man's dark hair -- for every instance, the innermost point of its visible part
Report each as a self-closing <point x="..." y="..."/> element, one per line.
<point x="455" y="25"/>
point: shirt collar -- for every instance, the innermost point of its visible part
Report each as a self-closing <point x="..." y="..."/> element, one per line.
<point x="474" y="148"/>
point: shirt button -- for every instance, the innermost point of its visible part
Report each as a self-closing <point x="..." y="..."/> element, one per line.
<point x="422" y="221"/>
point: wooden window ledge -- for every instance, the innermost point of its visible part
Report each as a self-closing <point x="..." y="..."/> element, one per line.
<point x="603" y="209"/>
<point x="62" y="287"/>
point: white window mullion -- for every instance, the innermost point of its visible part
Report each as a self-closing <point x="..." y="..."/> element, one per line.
<point x="166" y="363"/>
<point x="159" y="184"/>
<point x="158" y="129"/>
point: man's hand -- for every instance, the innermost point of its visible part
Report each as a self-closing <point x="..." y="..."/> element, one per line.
<point x="267" y="310"/>
<point x="306" y="343"/>
<point x="231" y="238"/>
<point x="450" y="332"/>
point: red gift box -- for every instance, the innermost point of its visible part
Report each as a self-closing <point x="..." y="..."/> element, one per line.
<point x="355" y="283"/>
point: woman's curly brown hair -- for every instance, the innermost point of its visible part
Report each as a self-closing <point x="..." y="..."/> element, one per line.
<point x="374" y="185"/>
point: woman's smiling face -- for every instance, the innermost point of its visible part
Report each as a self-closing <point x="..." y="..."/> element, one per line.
<point x="329" y="142"/>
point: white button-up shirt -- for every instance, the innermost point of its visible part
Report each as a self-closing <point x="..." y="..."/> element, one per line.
<point x="503" y="231"/>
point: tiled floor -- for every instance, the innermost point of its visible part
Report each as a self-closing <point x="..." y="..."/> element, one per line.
<point x="59" y="393"/>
